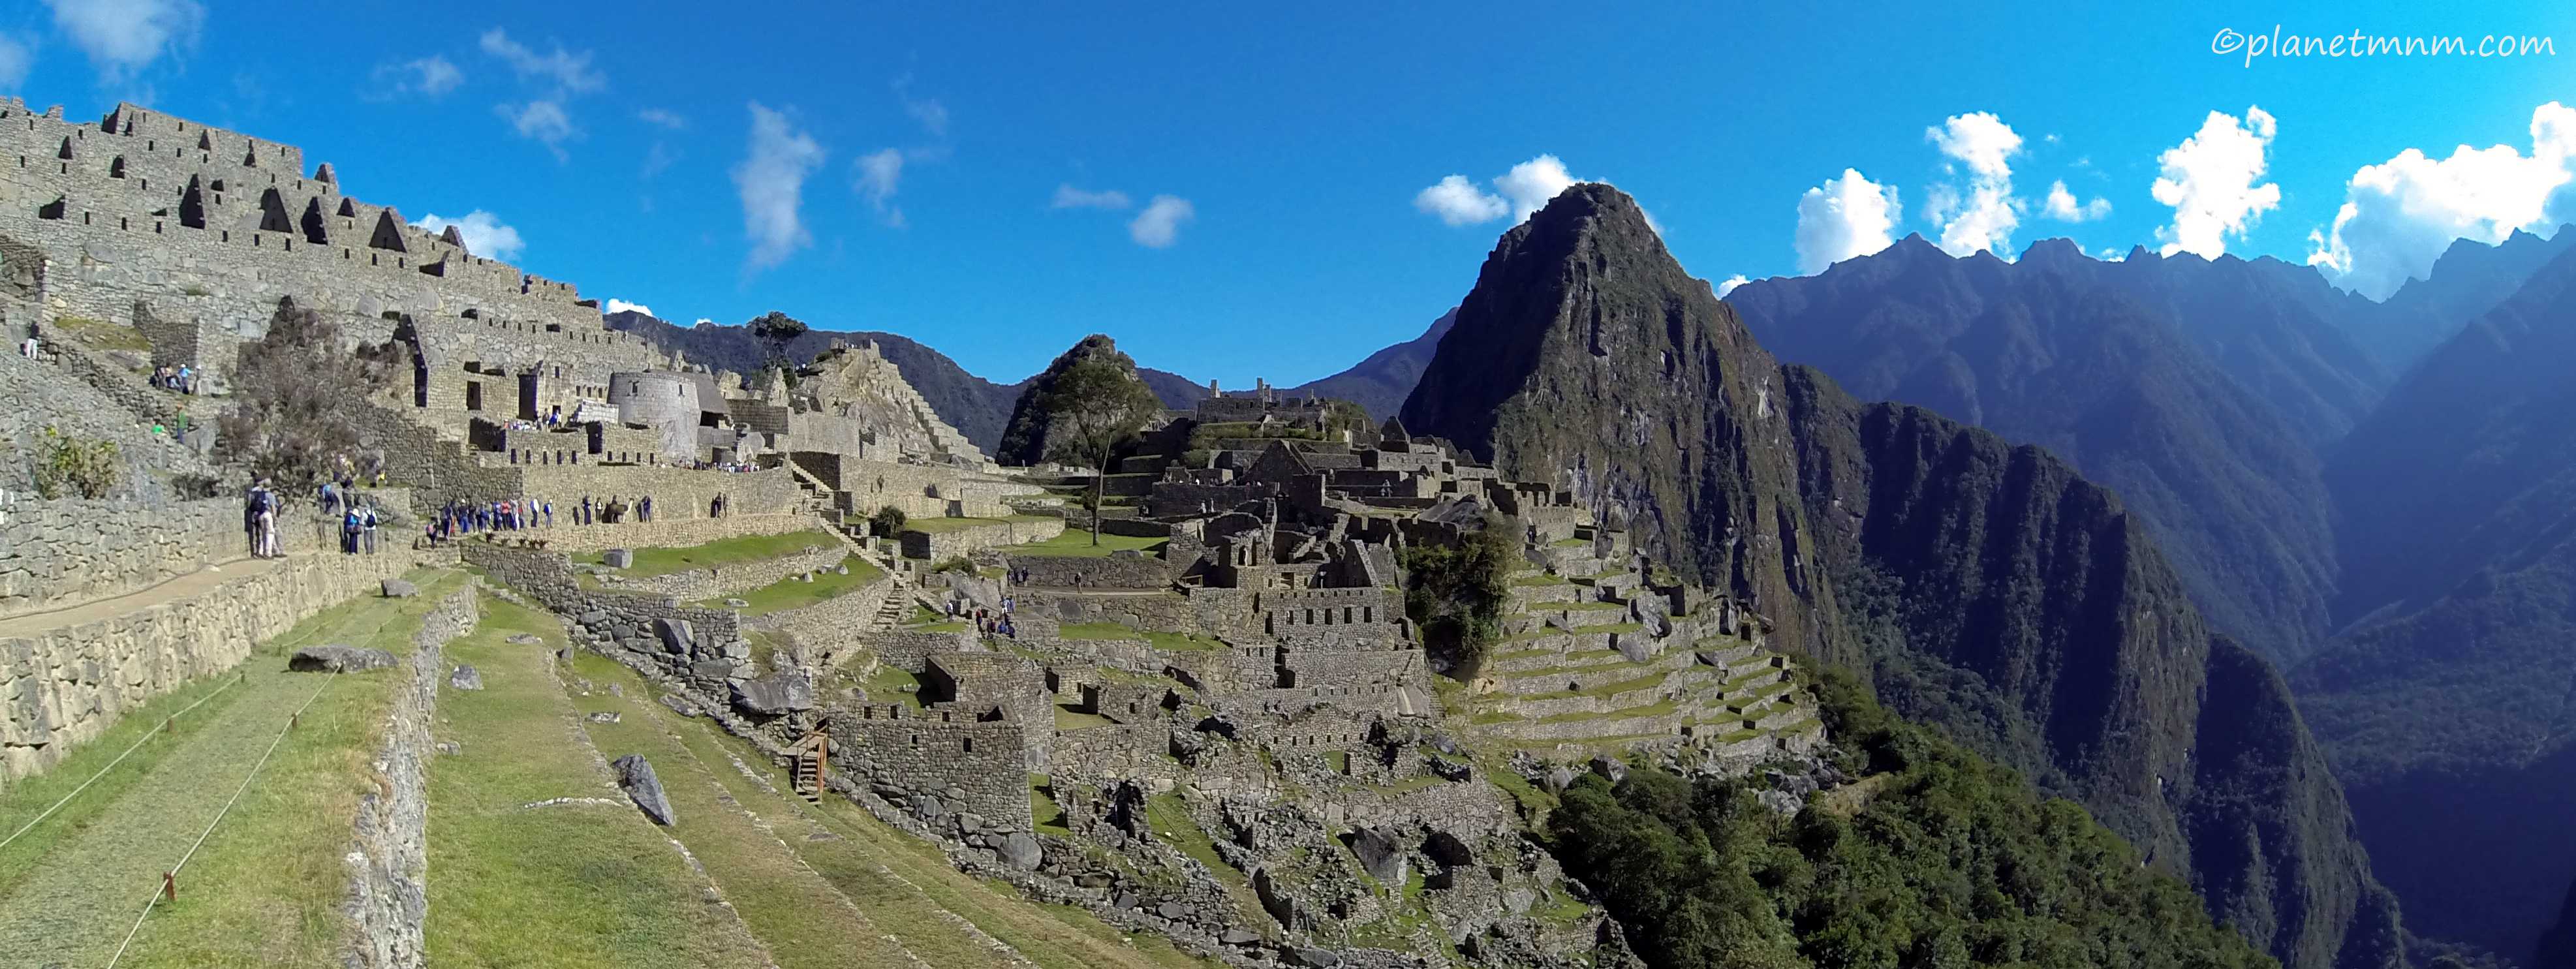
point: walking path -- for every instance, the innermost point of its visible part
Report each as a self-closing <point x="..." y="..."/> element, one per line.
<point x="178" y="587"/>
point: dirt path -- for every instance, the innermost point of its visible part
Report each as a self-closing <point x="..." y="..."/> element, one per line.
<point x="181" y="587"/>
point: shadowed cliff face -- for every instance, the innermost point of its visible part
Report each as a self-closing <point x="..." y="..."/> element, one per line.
<point x="1983" y="587"/>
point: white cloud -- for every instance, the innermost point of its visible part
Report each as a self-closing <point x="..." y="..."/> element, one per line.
<point x="485" y="234"/>
<point x="2400" y="215"/>
<point x="1729" y="285"/>
<point x="15" y="60"/>
<point x="569" y="72"/>
<point x="657" y="158"/>
<point x="1846" y="217"/>
<point x="2114" y="254"/>
<point x="879" y="174"/>
<point x="2061" y="205"/>
<point x="543" y="121"/>
<point x="1527" y="188"/>
<point x="616" y="305"/>
<point x="932" y="114"/>
<point x="1530" y="185"/>
<point x="1985" y="214"/>
<point x="2210" y="179"/>
<point x="1069" y="197"/>
<point x="771" y="178"/>
<point x="427" y="77"/>
<point x="662" y="119"/>
<point x="123" y="36"/>
<point x="1159" y="225"/>
<point x="1459" y="202"/>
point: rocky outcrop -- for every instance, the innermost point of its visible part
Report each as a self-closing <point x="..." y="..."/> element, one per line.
<point x="1984" y="587"/>
<point x="388" y="903"/>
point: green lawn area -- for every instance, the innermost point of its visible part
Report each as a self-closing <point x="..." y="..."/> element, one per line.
<point x="572" y="885"/>
<point x="1042" y="807"/>
<point x="270" y="879"/>
<point x="894" y="684"/>
<point x="1543" y="578"/>
<point x="1068" y="718"/>
<point x="651" y="562"/>
<point x="1160" y="640"/>
<point x="102" y="335"/>
<point x="1077" y="542"/>
<point x="794" y="593"/>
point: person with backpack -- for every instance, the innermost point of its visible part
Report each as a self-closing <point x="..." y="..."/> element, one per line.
<point x="367" y="528"/>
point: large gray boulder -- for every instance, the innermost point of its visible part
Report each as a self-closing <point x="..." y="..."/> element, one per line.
<point x="785" y="691"/>
<point x="677" y="635"/>
<point x="399" y="589"/>
<point x="466" y="678"/>
<point x="1380" y="855"/>
<point x="618" y="558"/>
<point x="339" y="659"/>
<point x="1020" y="850"/>
<point x="635" y="777"/>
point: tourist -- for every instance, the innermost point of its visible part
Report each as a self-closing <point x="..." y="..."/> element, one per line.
<point x="550" y="513"/>
<point x="585" y="518"/>
<point x="367" y="526"/>
<point x="350" y="524"/>
<point x="265" y="521"/>
<point x="187" y="379"/>
<point x="645" y="509"/>
<point x="330" y="499"/>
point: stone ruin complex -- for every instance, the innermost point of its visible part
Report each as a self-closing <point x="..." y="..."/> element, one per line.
<point x="1225" y="729"/>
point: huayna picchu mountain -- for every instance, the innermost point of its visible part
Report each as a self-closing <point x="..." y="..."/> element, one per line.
<point x="1983" y="587"/>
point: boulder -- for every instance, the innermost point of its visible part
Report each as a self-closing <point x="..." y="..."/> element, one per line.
<point x="1380" y="855"/>
<point x="618" y="558"/>
<point x="604" y="716"/>
<point x="1611" y="769"/>
<point x="677" y="635"/>
<point x="466" y="678"/>
<point x="737" y="604"/>
<point x="1560" y="778"/>
<point x="1020" y="850"/>
<point x="1239" y="937"/>
<point x="635" y="777"/>
<point x="785" y="691"/>
<point x="339" y="659"/>
<point x="399" y="589"/>
<point x="523" y="639"/>
<point x="679" y="706"/>
<point x="1314" y="958"/>
<point x="1172" y="910"/>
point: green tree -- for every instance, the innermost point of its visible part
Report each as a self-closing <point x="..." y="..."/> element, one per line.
<point x="778" y="330"/>
<point x="290" y="420"/>
<point x="1092" y="405"/>
<point x="1458" y="593"/>
<point x="70" y="465"/>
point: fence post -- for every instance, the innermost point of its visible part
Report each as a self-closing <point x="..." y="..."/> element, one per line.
<point x="170" y="886"/>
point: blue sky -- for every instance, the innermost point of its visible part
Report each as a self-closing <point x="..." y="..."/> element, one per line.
<point x="615" y="140"/>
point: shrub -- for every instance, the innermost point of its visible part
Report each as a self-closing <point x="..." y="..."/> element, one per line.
<point x="887" y="521"/>
<point x="68" y="465"/>
<point x="954" y="563"/>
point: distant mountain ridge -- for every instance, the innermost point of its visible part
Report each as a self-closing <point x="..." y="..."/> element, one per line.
<point x="1984" y="587"/>
<point x="2450" y="703"/>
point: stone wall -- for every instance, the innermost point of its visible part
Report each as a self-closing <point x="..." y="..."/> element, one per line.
<point x="702" y="648"/>
<point x="825" y="632"/>
<point x="947" y="757"/>
<point x="664" y="533"/>
<point x="910" y="649"/>
<point x="55" y="553"/>
<point x="822" y="556"/>
<point x="1162" y="612"/>
<point x="61" y="687"/>
<point x="1083" y="572"/>
<point x="948" y="543"/>
<point x="389" y="861"/>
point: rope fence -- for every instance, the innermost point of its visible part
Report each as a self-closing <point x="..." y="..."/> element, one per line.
<point x="120" y="758"/>
<point x="169" y="879"/>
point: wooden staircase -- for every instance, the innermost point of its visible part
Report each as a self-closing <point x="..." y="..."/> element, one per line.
<point x="813" y="759"/>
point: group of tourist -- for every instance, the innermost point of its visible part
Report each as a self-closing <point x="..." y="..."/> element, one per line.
<point x="358" y="522"/>
<point x="259" y="519"/>
<point x="613" y="511"/>
<point x="987" y="622"/>
<point x="181" y="378"/>
<point x="468" y="517"/>
<point x="733" y="467"/>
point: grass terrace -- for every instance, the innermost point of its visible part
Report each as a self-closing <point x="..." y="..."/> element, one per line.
<point x="651" y="562"/>
<point x="1077" y="543"/>
<point x="102" y="335"/>
<point x="1160" y="640"/>
<point x="795" y="593"/>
